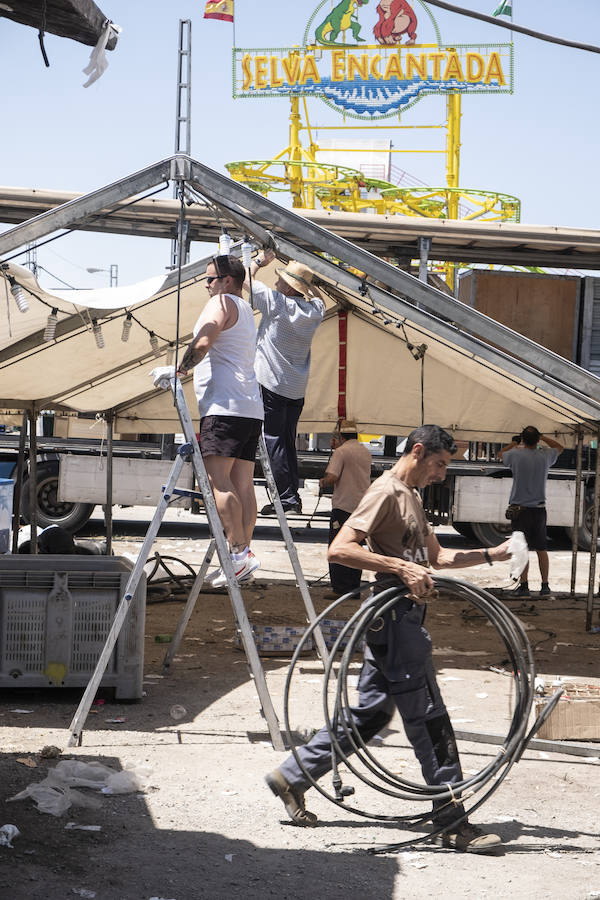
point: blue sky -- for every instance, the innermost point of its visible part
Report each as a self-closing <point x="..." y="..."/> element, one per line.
<point x="540" y="144"/>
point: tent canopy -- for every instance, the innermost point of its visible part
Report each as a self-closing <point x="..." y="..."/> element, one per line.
<point x="391" y="353"/>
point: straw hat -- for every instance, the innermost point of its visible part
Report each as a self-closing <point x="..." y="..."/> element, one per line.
<point x="348" y="427"/>
<point x="300" y="278"/>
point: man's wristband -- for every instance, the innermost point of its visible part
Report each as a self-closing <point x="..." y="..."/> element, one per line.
<point x="258" y="261"/>
<point x="487" y="557"/>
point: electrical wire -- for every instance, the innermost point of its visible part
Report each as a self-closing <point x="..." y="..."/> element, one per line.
<point x="348" y="746"/>
<point x="511" y="26"/>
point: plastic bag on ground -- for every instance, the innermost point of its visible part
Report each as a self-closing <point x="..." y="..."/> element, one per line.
<point x="55" y="794"/>
<point x="519" y="554"/>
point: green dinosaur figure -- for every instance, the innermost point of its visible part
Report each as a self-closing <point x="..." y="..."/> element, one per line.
<point x="341" y="17"/>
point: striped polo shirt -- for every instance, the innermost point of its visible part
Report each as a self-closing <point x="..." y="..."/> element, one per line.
<point x="285" y="333"/>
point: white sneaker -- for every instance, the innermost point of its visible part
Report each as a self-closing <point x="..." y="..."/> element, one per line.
<point x="243" y="569"/>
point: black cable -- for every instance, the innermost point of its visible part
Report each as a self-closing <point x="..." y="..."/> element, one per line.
<point x="358" y="757"/>
<point x="492" y="20"/>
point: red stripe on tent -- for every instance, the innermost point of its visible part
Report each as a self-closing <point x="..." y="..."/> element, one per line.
<point x="342" y="341"/>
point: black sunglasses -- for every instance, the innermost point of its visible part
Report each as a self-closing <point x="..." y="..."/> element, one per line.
<point x="211" y="278"/>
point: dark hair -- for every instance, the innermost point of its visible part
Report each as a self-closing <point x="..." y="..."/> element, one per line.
<point x="229" y="265"/>
<point x="433" y="438"/>
<point x="349" y="435"/>
<point x="531" y="436"/>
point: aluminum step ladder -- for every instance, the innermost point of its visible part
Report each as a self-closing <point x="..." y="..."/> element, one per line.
<point x="190" y="453"/>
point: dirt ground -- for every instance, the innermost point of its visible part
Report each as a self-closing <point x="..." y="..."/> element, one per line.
<point x="205" y="825"/>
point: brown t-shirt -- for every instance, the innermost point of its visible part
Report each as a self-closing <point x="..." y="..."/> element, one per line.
<point x="351" y="463"/>
<point x="392" y="517"/>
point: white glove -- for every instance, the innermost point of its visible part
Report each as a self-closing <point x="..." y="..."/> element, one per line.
<point x="519" y="554"/>
<point x="162" y="376"/>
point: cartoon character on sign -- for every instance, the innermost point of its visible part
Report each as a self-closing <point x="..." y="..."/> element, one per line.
<point x="341" y="17"/>
<point x="396" y="17"/>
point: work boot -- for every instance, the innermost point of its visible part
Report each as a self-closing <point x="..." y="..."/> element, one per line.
<point x="292" y="798"/>
<point x="545" y="590"/>
<point x="269" y="509"/>
<point x="520" y="592"/>
<point x="468" y="838"/>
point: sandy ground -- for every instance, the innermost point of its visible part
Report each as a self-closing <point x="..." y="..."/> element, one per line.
<point x="205" y="826"/>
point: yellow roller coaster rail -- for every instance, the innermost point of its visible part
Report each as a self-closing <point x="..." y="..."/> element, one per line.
<point x="338" y="187"/>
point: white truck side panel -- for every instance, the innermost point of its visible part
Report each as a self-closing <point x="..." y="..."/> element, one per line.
<point x="484" y="499"/>
<point x="136" y="482"/>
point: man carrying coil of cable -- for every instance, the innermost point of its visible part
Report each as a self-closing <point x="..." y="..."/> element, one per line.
<point x="398" y="671"/>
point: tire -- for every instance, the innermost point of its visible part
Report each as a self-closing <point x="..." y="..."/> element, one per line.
<point x="584" y="538"/>
<point x="51" y="511"/>
<point x="464" y="528"/>
<point x="490" y="534"/>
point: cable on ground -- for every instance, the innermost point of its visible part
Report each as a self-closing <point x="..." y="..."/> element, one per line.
<point x="359" y="758"/>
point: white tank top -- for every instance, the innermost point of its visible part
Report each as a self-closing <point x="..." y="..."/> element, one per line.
<point x="224" y="381"/>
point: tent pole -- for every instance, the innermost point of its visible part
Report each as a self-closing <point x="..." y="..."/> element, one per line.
<point x="594" y="546"/>
<point x="33" y="500"/>
<point x="19" y="485"/>
<point x="108" y="519"/>
<point x="575" y="542"/>
<point x="424" y="248"/>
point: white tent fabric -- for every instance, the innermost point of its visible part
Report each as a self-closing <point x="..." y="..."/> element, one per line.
<point x="470" y="387"/>
<point x="468" y="396"/>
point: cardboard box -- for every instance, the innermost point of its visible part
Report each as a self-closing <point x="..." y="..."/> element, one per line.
<point x="576" y="716"/>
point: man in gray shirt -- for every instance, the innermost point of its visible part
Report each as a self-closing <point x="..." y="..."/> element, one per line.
<point x="290" y="315"/>
<point x="529" y="465"/>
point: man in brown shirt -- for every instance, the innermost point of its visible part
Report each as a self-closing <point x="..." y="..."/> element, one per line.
<point x="398" y="670"/>
<point x="349" y="472"/>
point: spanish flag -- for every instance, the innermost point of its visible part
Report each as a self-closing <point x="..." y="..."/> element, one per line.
<point x="219" y="9"/>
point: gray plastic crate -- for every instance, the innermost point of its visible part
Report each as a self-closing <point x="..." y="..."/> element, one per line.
<point x="55" y="615"/>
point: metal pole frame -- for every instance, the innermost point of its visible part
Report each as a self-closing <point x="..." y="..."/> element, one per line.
<point x="16" y="517"/>
<point x="108" y="517"/>
<point x="576" y="513"/>
<point x="33" y="503"/>
<point x="594" y="546"/>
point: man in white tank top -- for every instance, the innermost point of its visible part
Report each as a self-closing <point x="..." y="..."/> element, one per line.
<point x="230" y="405"/>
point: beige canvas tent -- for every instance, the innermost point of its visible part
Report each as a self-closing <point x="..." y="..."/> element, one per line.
<point x="391" y="353"/>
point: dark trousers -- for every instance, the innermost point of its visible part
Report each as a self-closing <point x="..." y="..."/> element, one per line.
<point x="281" y="422"/>
<point x="399" y="675"/>
<point x="343" y="579"/>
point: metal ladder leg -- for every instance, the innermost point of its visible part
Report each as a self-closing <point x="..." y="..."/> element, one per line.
<point x="235" y="594"/>
<point x="83" y="709"/>
<point x="291" y="548"/>
<point x="189" y="608"/>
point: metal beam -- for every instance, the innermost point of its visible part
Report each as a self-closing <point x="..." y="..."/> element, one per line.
<point x="220" y="189"/>
<point x="552" y="391"/>
<point x="75" y="212"/>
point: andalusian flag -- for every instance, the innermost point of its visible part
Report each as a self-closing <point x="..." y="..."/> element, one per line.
<point x="219" y="9"/>
<point x="503" y="9"/>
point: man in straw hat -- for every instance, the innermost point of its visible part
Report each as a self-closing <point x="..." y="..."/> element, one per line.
<point x="291" y="313"/>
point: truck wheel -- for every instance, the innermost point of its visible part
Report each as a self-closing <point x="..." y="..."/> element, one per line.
<point x="51" y="511"/>
<point x="584" y="538"/>
<point x="491" y="534"/>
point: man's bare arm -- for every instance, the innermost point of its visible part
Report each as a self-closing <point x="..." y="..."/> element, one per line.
<point x="442" y="558"/>
<point x="552" y="443"/>
<point x="346" y="550"/>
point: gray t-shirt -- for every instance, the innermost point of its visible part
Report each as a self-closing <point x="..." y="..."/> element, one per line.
<point x="530" y="471"/>
<point x="285" y="333"/>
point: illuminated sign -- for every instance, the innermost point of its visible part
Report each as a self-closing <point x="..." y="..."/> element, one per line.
<point x="371" y="80"/>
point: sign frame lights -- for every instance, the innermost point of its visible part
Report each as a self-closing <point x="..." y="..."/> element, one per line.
<point x="372" y="80"/>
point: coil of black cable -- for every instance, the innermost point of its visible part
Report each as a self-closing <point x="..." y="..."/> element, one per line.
<point x="349" y="748"/>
